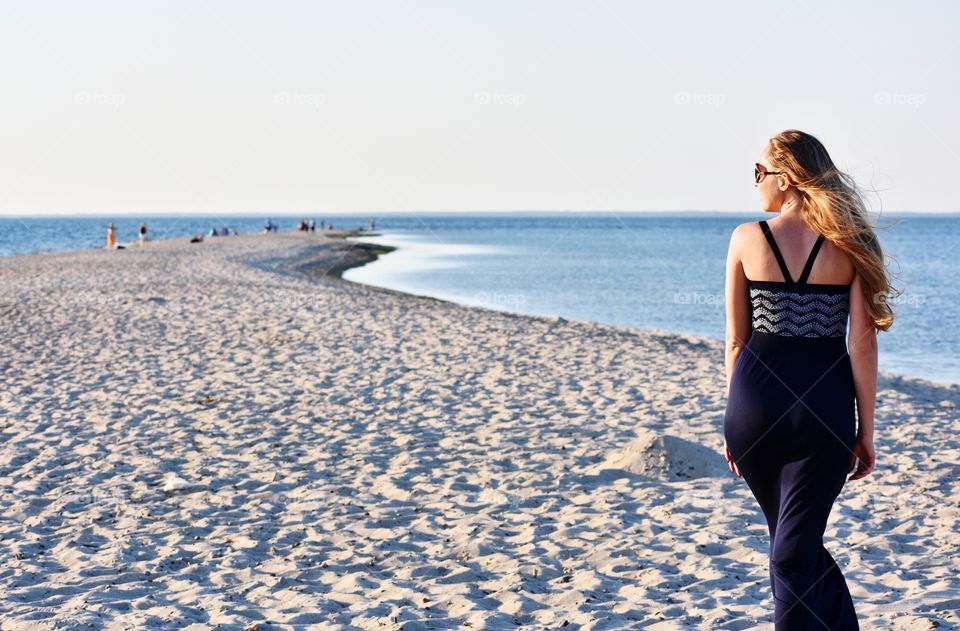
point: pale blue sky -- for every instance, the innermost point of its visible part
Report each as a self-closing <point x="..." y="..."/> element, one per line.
<point x="220" y="107"/>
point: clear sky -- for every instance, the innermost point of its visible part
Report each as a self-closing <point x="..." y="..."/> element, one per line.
<point x="221" y="107"/>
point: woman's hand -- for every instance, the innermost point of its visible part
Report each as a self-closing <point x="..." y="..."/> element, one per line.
<point x="730" y="463"/>
<point x="862" y="449"/>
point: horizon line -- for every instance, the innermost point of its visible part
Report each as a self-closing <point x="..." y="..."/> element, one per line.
<point x="248" y="214"/>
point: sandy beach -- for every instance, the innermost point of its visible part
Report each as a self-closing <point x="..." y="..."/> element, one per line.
<point x="226" y="435"/>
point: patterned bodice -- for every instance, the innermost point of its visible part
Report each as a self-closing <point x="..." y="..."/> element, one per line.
<point x="798" y="309"/>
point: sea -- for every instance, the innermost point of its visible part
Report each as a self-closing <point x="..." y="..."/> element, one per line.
<point x="646" y="270"/>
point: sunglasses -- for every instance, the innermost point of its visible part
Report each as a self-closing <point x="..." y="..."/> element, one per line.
<point x="758" y="174"/>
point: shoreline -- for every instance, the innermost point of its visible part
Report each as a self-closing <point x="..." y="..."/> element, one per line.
<point x="887" y="374"/>
<point x="233" y="435"/>
<point x="358" y="254"/>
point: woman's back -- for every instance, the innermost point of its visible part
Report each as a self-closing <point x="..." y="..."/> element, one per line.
<point x="795" y="241"/>
<point x="789" y="423"/>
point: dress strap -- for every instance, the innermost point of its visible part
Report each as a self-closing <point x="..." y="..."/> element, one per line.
<point x="813" y="255"/>
<point x="776" y="252"/>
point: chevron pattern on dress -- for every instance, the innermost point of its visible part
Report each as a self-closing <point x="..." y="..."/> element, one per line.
<point x="799" y="314"/>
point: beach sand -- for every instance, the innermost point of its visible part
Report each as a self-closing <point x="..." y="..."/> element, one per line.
<point x="217" y="435"/>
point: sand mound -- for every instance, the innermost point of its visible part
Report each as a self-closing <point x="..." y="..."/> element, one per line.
<point x="663" y="457"/>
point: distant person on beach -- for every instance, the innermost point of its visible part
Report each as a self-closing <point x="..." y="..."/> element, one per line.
<point x="322" y="224"/>
<point x="793" y="380"/>
<point x="311" y="225"/>
<point x="371" y="225"/>
<point x="111" y="236"/>
<point x="143" y="234"/>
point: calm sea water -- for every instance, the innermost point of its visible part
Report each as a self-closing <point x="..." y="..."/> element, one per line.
<point x="663" y="271"/>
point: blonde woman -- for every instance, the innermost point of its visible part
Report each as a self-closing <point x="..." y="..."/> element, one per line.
<point x="801" y="389"/>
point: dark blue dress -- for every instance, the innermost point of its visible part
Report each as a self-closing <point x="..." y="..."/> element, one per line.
<point x="790" y="426"/>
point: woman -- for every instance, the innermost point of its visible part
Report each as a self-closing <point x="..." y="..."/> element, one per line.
<point x="793" y="382"/>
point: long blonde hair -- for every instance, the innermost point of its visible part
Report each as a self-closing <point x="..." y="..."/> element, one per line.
<point x="834" y="207"/>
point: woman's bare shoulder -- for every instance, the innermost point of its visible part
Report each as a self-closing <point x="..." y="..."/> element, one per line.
<point x="743" y="234"/>
<point x="744" y="229"/>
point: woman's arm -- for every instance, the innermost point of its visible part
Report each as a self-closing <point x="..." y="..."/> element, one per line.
<point x="737" y="300"/>
<point x="862" y="348"/>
